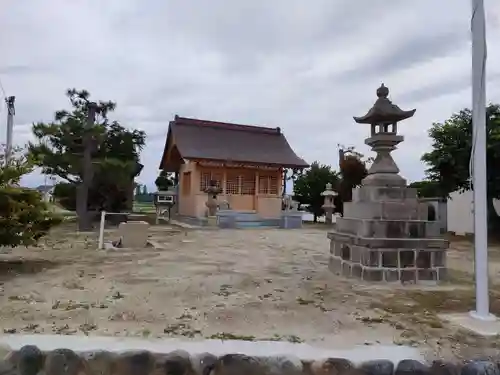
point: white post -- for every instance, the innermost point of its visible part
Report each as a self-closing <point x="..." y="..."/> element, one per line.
<point x="101" y="230"/>
<point x="479" y="160"/>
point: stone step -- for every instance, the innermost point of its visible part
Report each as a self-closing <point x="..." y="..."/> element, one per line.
<point x="387" y="210"/>
<point x="388" y="243"/>
<point x="383" y="194"/>
<point x="376" y="228"/>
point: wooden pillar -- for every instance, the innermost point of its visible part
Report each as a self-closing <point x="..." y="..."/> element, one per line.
<point x="256" y="195"/>
<point x="257" y="182"/>
<point x="224" y="180"/>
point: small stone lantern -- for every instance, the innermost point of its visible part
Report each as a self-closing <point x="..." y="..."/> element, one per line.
<point x="329" y="205"/>
<point x="212" y="190"/>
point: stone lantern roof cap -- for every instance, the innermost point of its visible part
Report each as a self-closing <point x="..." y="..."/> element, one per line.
<point x="383" y="111"/>
<point x="329" y="191"/>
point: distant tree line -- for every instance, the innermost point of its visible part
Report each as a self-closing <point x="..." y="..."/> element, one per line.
<point x="311" y="182"/>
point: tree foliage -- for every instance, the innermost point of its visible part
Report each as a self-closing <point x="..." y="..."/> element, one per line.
<point x="427" y="189"/>
<point x="164" y="181"/>
<point x="352" y="171"/>
<point x="24" y="216"/>
<point x="309" y="185"/>
<point x="448" y="161"/>
<point x="58" y="150"/>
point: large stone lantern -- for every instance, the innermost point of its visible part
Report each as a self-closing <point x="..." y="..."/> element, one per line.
<point x="383" y="118"/>
<point x="384" y="234"/>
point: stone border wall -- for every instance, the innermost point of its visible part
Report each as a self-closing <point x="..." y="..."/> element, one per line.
<point x="29" y="360"/>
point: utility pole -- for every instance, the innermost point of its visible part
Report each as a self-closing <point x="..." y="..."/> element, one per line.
<point x="84" y="222"/>
<point x="11" y="111"/>
<point x="479" y="175"/>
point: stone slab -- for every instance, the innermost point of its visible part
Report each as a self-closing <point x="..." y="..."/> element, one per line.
<point x="303" y="351"/>
<point x="291" y="220"/>
<point x="133" y="234"/>
<point x="481" y="327"/>
<point x="391" y="243"/>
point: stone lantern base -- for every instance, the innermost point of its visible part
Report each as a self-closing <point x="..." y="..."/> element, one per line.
<point x="385" y="236"/>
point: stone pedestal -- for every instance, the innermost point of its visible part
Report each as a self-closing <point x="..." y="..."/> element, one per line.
<point x="291" y="220"/>
<point x="133" y="234"/>
<point x="385" y="236"/>
<point x="212" y="221"/>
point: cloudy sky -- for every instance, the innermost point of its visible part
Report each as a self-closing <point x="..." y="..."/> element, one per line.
<point x="307" y="67"/>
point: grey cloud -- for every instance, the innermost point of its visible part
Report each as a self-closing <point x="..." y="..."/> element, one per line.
<point x="407" y="53"/>
<point x="435" y="90"/>
<point x="442" y="88"/>
<point x="279" y="63"/>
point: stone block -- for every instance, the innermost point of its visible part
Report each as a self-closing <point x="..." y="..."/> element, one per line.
<point x="345" y="251"/>
<point x="133" y="234"/>
<point x="29" y="360"/>
<point x="383" y="193"/>
<point x="357" y="270"/>
<point x="356" y="252"/>
<point x="427" y="275"/>
<point x="411" y="367"/>
<point x="424" y="259"/>
<point x="64" y="362"/>
<point x="390" y="259"/>
<point x="386" y="235"/>
<point x="373" y="274"/>
<point x="391" y="275"/>
<point x="346" y="269"/>
<point x="406" y="258"/>
<point x="441" y="273"/>
<point x="399" y="210"/>
<point x="335" y="265"/>
<point x="377" y="367"/>
<point x="438" y="258"/>
<point x="331" y="366"/>
<point x="134" y="363"/>
<point x="291" y="220"/>
<point x="100" y="362"/>
<point x="212" y="221"/>
<point x="344" y="225"/>
<point x="370" y="258"/>
<point x="408" y="275"/>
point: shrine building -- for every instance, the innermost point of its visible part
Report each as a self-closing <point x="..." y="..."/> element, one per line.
<point x="246" y="162"/>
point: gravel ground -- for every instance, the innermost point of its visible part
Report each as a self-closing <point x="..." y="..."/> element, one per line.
<point x="260" y="284"/>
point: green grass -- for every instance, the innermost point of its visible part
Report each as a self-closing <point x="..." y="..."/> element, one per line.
<point x="144" y="207"/>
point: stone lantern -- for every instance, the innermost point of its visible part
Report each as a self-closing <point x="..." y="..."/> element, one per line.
<point x="385" y="234"/>
<point x="383" y="118"/>
<point x="329" y="204"/>
<point x="212" y="190"/>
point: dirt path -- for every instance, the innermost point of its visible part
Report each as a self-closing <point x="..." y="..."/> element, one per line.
<point x="242" y="284"/>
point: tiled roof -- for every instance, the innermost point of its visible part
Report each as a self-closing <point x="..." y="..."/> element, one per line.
<point x="210" y="140"/>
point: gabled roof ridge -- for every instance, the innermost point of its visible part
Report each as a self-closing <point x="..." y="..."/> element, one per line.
<point x="227" y="125"/>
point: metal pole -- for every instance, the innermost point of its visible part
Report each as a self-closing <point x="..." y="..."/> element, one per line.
<point x="11" y="111"/>
<point x="478" y="31"/>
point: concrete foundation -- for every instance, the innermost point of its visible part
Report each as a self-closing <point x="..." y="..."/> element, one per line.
<point x="487" y="327"/>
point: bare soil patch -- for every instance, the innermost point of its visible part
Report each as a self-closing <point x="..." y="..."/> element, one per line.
<point x="261" y="284"/>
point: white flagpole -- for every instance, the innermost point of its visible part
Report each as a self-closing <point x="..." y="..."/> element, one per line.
<point x="478" y="32"/>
